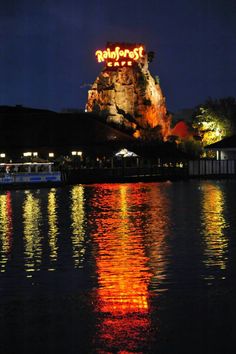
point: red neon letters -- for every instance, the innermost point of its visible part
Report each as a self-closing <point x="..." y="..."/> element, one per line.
<point x="119" y="57"/>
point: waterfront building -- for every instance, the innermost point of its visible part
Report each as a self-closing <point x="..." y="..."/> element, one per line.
<point x="28" y="133"/>
<point x="225" y="149"/>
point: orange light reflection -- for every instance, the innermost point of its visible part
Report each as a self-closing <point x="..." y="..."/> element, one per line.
<point x="123" y="269"/>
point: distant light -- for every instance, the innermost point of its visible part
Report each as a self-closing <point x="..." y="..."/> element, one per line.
<point x="51" y="154"/>
<point x="2" y="155"/>
<point x="35" y="154"/>
<point x="76" y="153"/>
<point x="126" y="153"/>
<point x="27" y="154"/>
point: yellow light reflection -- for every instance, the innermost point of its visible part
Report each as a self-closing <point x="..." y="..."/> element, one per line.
<point x="31" y="220"/>
<point x="78" y="225"/>
<point x="53" y="227"/>
<point x="214" y="224"/>
<point x="123" y="274"/>
<point x="5" y="229"/>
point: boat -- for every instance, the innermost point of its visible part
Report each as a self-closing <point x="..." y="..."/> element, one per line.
<point x="28" y="173"/>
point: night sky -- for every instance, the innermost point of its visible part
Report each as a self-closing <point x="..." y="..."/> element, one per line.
<point x="47" y="48"/>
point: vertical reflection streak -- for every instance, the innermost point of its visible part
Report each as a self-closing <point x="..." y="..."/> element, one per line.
<point x="5" y="229"/>
<point x="123" y="274"/>
<point x="127" y="260"/>
<point x="53" y="227"/>
<point x="78" y="225"/>
<point x="157" y="231"/>
<point x="214" y="224"/>
<point x="31" y="221"/>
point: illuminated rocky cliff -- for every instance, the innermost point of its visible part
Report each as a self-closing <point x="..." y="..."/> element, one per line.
<point x="131" y="98"/>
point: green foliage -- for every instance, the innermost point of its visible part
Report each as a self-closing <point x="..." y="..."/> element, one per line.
<point x="191" y="147"/>
<point x="223" y="106"/>
<point x="215" y="119"/>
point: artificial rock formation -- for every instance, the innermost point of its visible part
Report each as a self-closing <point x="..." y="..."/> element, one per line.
<point x="131" y="98"/>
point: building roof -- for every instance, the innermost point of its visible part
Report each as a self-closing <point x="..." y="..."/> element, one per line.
<point x="226" y="143"/>
<point x="22" y="128"/>
<point x="19" y="109"/>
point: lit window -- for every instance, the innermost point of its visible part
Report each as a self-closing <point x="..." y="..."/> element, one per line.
<point x="2" y="155"/>
<point x="76" y="153"/>
<point x="51" y="154"/>
<point x="27" y="154"/>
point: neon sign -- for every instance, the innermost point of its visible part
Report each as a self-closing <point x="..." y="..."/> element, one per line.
<point x="120" y="57"/>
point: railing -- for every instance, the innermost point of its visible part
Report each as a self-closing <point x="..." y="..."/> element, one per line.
<point x="124" y="173"/>
<point x="212" y="168"/>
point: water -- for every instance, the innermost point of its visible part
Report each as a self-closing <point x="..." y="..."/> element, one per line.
<point x="118" y="268"/>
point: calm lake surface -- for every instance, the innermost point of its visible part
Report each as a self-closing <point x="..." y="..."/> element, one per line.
<point x="119" y="268"/>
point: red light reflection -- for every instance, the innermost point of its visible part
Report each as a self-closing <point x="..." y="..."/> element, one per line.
<point x="123" y="274"/>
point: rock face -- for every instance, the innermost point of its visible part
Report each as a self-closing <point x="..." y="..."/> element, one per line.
<point x="131" y="98"/>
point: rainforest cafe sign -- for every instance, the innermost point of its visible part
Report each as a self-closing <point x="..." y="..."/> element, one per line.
<point x="118" y="56"/>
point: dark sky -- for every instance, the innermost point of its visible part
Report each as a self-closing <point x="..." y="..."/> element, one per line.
<point x="47" y="47"/>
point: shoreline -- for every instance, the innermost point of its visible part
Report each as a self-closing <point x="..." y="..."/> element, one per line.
<point x="108" y="180"/>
